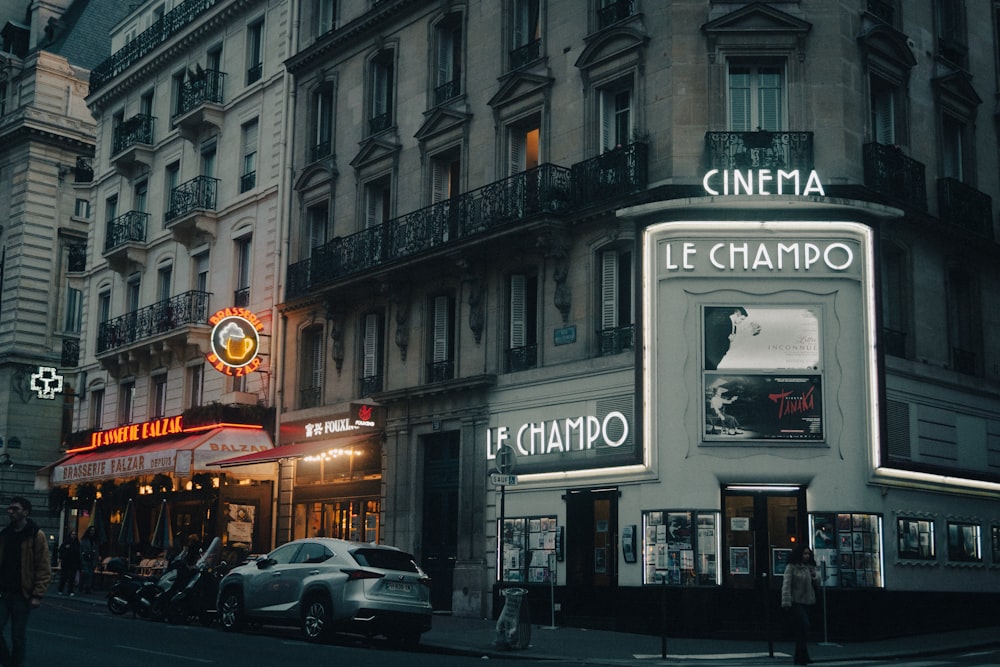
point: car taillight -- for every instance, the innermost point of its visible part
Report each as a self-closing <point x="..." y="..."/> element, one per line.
<point x="353" y="575"/>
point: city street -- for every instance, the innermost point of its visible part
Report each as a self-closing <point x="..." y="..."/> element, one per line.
<point x="83" y="632"/>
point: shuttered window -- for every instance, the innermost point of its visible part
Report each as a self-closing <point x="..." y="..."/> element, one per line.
<point x="756" y="98"/>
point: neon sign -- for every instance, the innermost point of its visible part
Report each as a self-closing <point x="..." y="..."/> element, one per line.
<point x="138" y="432"/>
<point x="235" y="342"/>
<point x="762" y="182"/>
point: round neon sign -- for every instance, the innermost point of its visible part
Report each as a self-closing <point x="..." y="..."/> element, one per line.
<point x="235" y="342"/>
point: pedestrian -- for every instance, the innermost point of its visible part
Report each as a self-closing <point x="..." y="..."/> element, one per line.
<point x="89" y="555"/>
<point x="24" y="577"/>
<point x="69" y="563"/>
<point x="798" y="594"/>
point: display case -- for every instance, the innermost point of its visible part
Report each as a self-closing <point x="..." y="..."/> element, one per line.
<point x="847" y="548"/>
<point x="680" y="547"/>
<point x="529" y="549"/>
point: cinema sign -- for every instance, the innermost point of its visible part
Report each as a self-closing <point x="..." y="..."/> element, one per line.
<point x="762" y="182"/>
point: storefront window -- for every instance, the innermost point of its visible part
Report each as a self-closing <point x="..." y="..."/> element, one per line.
<point x="340" y="464"/>
<point x="529" y="549"/>
<point x="848" y="549"/>
<point x="354" y="519"/>
<point x="964" y="542"/>
<point x="680" y="547"/>
<point x="915" y="538"/>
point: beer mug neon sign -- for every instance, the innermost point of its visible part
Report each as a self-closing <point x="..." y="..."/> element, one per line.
<point x="235" y="341"/>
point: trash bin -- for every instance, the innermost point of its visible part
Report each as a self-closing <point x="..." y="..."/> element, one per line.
<point x="514" y="624"/>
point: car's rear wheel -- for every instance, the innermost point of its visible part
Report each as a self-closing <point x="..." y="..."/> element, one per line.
<point x="231" y="614"/>
<point x="317" y="615"/>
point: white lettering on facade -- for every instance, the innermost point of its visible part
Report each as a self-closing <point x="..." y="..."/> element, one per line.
<point x="560" y="436"/>
<point x="738" y="182"/>
<point x="735" y="256"/>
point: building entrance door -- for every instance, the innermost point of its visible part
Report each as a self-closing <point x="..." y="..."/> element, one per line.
<point x="761" y="525"/>
<point x="440" y="515"/>
<point x="591" y="556"/>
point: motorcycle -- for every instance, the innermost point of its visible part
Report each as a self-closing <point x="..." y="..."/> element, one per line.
<point x="195" y="597"/>
<point x="130" y="592"/>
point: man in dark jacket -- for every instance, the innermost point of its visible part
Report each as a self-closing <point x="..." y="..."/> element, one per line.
<point x="25" y="573"/>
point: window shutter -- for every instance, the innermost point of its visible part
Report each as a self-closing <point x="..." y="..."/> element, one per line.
<point x="441" y="311"/>
<point x="372" y="207"/>
<point x="518" y="284"/>
<point x="370" y="346"/>
<point x="445" y="50"/>
<point x="440" y="180"/>
<point x="883" y="112"/>
<point x="607" y="120"/>
<point x="517" y="151"/>
<point x="769" y="99"/>
<point x="317" y="359"/>
<point x="739" y="99"/>
<point x="609" y="289"/>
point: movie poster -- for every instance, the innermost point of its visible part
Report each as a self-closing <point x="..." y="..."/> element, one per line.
<point x="753" y="338"/>
<point x="763" y="407"/>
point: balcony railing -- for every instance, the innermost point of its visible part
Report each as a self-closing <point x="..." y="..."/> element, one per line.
<point x="310" y="397"/>
<point x="83" y="172"/>
<point x="965" y="207"/>
<point x="895" y="175"/>
<point x="206" y="88"/>
<point x="440" y="371"/>
<point x="241" y="297"/>
<point x="883" y="9"/>
<point x="127" y="228"/>
<point x="521" y="358"/>
<point x="617" y="339"/>
<point x="447" y="91"/>
<point x="614" y="12"/>
<point x="198" y="194"/>
<point x="370" y="384"/>
<point x="522" y="55"/>
<point x="77" y="259"/>
<point x="159" y="318"/>
<point x="248" y="181"/>
<point x="136" y="130"/>
<point x="378" y="123"/>
<point x="254" y="73"/>
<point x="546" y="189"/>
<point x="321" y="150"/>
<point x="760" y="150"/>
<point x="70" y="353"/>
<point x="149" y="39"/>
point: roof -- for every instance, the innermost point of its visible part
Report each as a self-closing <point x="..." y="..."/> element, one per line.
<point x="82" y="23"/>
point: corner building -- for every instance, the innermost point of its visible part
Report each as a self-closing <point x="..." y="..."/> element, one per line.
<point x="710" y="279"/>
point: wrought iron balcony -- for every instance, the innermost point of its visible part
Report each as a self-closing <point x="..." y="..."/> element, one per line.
<point x="171" y="22"/>
<point x="136" y="130"/>
<point x="77" y="260"/>
<point x="613" y="174"/>
<point x="883" y="9"/>
<point x="439" y="371"/>
<point x="310" y="397"/>
<point x="898" y="177"/>
<point x="157" y="319"/>
<point x="127" y="228"/>
<point x="521" y="358"/>
<point x="83" y="172"/>
<point x="447" y="91"/>
<point x="546" y="189"/>
<point x="965" y="207"/>
<point x="378" y="123"/>
<point x="198" y="194"/>
<point x="248" y="181"/>
<point x="370" y="384"/>
<point x="321" y="150"/>
<point x="205" y="88"/>
<point x="70" y="353"/>
<point x="241" y="297"/>
<point x="255" y="73"/>
<point x="617" y="339"/>
<point x="525" y="54"/>
<point x="785" y="150"/>
<point x="614" y="12"/>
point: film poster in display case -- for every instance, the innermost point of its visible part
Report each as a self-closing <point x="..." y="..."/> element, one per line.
<point x="847" y="548"/>
<point x="528" y="550"/>
<point x="679" y="547"/>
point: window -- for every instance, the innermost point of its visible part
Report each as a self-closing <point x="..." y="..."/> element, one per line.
<point x="171" y="179"/>
<point x="442" y="339"/>
<point x="323" y="122"/>
<point x="526" y="32"/>
<point x="847" y="549"/>
<point x="3" y="98"/>
<point x="248" y="174"/>
<point x="448" y="59"/>
<point x="201" y="272"/>
<point x="140" y="196"/>
<point x="177" y="92"/>
<point x="254" y="54"/>
<point x="82" y="209"/>
<point x="964" y="542"/>
<point x="446" y="170"/>
<point x="132" y="293"/>
<point x="616" y="118"/>
<point x="146" y="104"/>
<point x="952" y="41"/>
<point x="679" y="547"/>
<point x="522" y="348"/>
<point x="382" y="71"/>
<point x="241" y="296"/>
<point x="915" y="539"/>
<point x="964" y="320"/>
<point x="523" y="145"/>
<point x="126" y="404"/>
<point x="954" y="139"/>
<point x="887" y="108"/>
<point x="612" y="11"/>
<point x="195" y="378"/>
<point x="616" y="289"/>
<point x="104" y="305"/>
<point x="164" y="275"/>
<point x="372" y="343"/>
<point x="756" y="98"/>
<point x="159" y="407"/>
<point x="74" y="310"/>
<point x="97" y="409"/>
<point x="208" y="159"/>
<point x="326" y="16"/>
<point x="317" y="217"/>
<point x="111" y="208"/>
<point x="378" y="204"/>
<point x="312" y="368"/>
<point x="529" y="551"/>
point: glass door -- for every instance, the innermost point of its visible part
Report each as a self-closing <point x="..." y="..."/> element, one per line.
<point x="761" y="525"/>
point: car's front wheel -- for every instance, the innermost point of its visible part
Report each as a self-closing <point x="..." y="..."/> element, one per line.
<point x="231" y="615"/>
<point x="316" y="618"/>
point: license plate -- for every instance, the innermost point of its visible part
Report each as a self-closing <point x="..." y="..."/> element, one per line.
<point x="398" y="586"/>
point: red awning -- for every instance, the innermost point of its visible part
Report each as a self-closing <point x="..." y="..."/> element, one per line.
<point x="177" y="455"/>
<point x="296" y="451"/>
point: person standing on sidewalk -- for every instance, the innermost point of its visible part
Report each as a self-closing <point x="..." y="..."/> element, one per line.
<point x="89" y="554"/>
<point x="69" y="561"/>
<point x="798" y="594"/>
<point x="25" y="573"/>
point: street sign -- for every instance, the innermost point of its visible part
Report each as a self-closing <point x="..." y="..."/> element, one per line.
<point x="506" y="460"/>
<point x="503" y="480"/>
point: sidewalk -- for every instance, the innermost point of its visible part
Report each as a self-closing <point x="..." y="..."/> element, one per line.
<point x="475" y="637"/>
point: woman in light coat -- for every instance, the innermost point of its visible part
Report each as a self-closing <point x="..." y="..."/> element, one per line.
<point x="798" y="593"/>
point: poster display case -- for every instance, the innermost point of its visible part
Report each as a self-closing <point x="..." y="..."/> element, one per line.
<point x="680" y="547"/>
<point x="848" y="549"/>
<point x="915" y="539"/>
<point x="528" y="551"/>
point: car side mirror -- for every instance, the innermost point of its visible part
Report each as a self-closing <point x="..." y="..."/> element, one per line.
<point x="265" y="563"/>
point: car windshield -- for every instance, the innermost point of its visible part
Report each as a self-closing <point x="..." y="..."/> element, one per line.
<point x="387" y="559"/>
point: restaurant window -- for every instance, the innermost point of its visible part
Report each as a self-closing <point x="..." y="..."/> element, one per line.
<point x="915" y="538"/>
<point x="616" y="329"/>
<point x="679" y="547"/>
<point x="372" y="344"/>
<point x="965" y="542"/>
<point x="756" y="97"/>
<point x="522" y="323"/>
<point x="354" y="519"/>
<point x="126" y="402"/>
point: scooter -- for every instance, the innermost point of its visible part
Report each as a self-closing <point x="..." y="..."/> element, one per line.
<point x="130" y="591"/>
<point x="196" y="598"/>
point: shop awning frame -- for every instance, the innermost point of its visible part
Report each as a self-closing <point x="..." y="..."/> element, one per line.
<point x="297" y="450"/>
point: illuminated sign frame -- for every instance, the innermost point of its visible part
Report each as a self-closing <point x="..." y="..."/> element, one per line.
<point x="235" y="341"/>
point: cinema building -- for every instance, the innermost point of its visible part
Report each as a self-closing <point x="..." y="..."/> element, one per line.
<point x="707" y="280"/>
